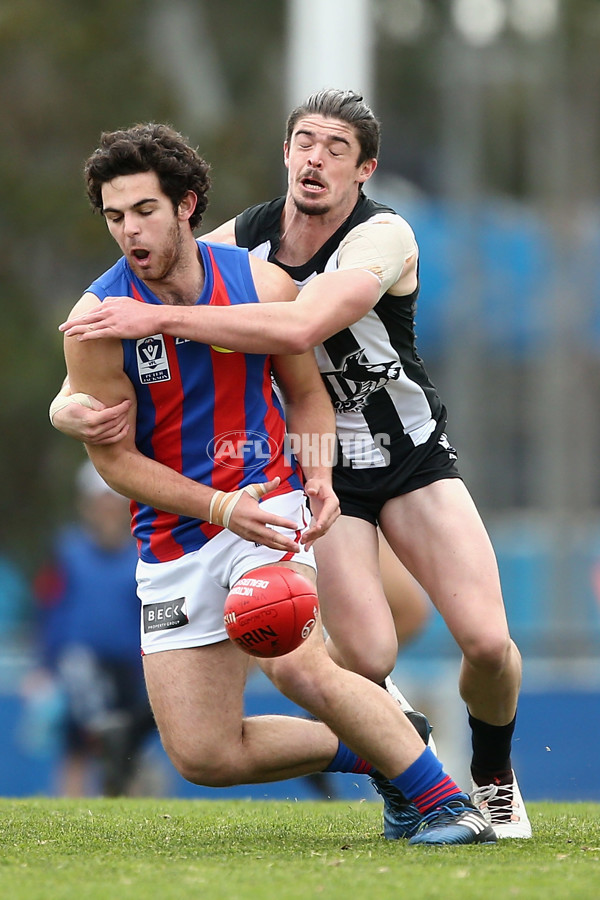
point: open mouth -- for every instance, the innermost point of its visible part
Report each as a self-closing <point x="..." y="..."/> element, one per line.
<point x="141" y="255"/>
<point x="312" y="185"/>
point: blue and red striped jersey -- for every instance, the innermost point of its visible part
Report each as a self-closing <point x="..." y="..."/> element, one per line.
<point x="209" y="413"/>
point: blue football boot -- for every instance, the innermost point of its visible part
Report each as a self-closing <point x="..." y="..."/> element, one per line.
<point x="401" y="818"/>
<point x="458" y="822"/>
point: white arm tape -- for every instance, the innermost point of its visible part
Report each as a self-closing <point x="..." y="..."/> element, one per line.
<point x="60" y="401"/>
<point x="222" y="504"/>
<point x="380" y="245"/>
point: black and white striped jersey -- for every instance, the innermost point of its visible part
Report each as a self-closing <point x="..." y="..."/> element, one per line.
<point x="383" y="397"/>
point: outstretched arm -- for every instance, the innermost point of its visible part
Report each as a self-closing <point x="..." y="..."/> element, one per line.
<point x="375" y="257"/>
<point x="327" y="304"/>
<point x="82" y="416"/>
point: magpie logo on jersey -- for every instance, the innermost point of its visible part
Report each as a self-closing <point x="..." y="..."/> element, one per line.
<point x="165" y="615"/>
<point x="445" y="443"/>
<point x="351" y="386"/>
<point x="152" y="361"/>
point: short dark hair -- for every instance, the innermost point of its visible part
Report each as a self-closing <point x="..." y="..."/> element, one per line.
<point x="347" y="106"/>
<point x="150" y="148"/>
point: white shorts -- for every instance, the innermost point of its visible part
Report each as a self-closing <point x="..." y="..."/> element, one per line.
<point x="183" y="599"/>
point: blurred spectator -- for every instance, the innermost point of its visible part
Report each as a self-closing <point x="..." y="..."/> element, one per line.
<point x="90" y="680"/>
<point x="15" y="601"/>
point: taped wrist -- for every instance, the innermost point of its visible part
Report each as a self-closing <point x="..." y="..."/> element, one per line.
<point x="60" y="401"/>
<point x="222" y="504"/>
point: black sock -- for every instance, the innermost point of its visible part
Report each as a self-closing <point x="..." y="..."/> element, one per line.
<point x="491" y="762"/>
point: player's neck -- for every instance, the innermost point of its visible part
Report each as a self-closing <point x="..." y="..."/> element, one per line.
<point x="303" y="235"/>
<point x="183" y="284"/>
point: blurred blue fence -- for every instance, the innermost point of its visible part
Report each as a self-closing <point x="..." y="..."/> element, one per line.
<point x="508" y="257"/>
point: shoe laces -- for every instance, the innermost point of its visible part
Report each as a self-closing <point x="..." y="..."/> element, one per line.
<point x="391" y="794"/>
<point x="445" y="815"/>
<point x="495" y="802"/>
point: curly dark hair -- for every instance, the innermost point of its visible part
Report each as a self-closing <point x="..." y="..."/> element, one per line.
<point x="347" y="106"/>
<point x="150" y="148"/>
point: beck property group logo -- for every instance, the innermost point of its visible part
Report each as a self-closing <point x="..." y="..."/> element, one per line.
<point x="242" y="449"/>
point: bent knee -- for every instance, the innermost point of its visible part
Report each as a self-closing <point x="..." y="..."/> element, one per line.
<point x="208" y="769"/>
<point x="376" y="670"/>
<point x="311" y="686"/>
<point x="489" y="653"/>
<point x="372" y="660"/>
<point x="290" y="675"/>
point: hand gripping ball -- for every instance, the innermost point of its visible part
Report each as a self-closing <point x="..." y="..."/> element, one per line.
<point x="271" y="611"/>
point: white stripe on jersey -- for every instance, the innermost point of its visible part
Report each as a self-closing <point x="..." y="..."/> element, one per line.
<point x="353" y="431"/>
<point x="407" y="396"/>
<point x="261" y="250"/>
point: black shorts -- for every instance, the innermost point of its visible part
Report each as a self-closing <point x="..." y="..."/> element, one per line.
<point x="363" y="492"/>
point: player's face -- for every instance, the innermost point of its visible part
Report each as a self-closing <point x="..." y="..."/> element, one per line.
<point x="322" y="162"/>
<point x="141" y="219"/>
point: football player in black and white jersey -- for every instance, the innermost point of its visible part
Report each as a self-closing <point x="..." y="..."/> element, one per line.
<point x="356" y="262"/>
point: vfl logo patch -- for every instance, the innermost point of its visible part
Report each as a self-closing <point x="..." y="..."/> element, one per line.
<point x="152" y="361"/>
<point x="165" y="615"/>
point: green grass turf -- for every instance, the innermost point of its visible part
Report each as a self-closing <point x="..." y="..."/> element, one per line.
<point x="52" y="849"/>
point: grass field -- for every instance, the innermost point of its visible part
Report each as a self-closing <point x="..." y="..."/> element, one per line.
<point x="53" y="849"/>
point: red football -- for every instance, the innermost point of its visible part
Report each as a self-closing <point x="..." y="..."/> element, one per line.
<point x="270" y="611"/>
